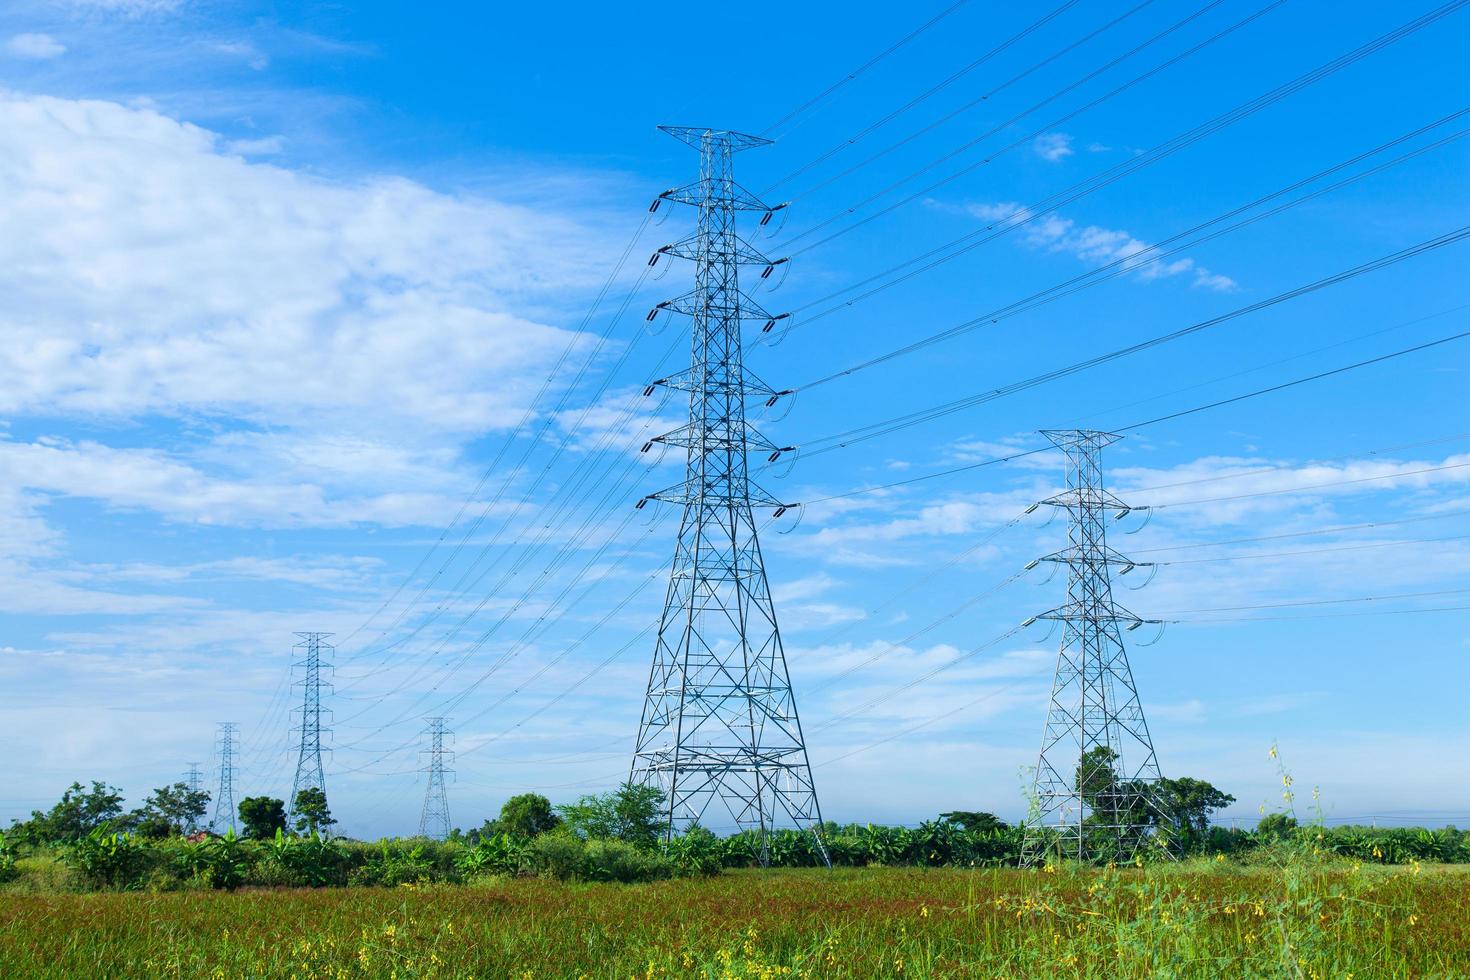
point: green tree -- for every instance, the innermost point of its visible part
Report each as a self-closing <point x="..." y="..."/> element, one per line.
<point x="633" y="814"/>
<point x="170" y="810"/>
<point x="77" y="814"/>
<point x="527" y="815"/>
<point x="1276" y="825"/>
<point x="975" y="820"/>
<point x="1189" y="803"/>
<point x="262" y="816"/>
<point x="313" y="816"/>
<point x="1097" y="777"/>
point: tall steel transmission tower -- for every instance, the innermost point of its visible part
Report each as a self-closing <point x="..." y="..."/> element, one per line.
<point x="1096" y="776"/>
<point x="309" y="773"/>
<point x="720" y="734"/>
<point x="224" y="800"/>
<point x="192" y="779"/>
<point x="434" y="821"/>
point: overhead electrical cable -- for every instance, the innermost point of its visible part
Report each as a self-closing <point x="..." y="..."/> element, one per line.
<point x="1028" y="139"/>
<point x="861" y="70"/>
<point x="520" y="428"/>
<point x="1029" y="213"/>
<point x="873" y="430"/>
<point x="991" y="93"/>
<point x="926" y="95"/>
<point x="1022" y="453"/>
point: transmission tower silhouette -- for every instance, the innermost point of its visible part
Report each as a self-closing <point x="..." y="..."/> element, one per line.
<point x="224" y="800"/>
<point x="309" y="773"/>
<point x="1096" y="778"/>
<point x="192" y="779"/>
<point x="434" y="821"/>
<point x="720" y="728"/>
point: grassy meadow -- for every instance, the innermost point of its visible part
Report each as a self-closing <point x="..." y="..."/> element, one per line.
<point x="1202" y="918"/>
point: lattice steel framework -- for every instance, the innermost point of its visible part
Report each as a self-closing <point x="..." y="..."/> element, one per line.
<point x="1096" y="776"/>
<point x="313" y="651"/>
<point x="720" y="733"/>
<point x="193" y="778"/>
<point x="434" y="820"/>
<point x="224" y="800"/>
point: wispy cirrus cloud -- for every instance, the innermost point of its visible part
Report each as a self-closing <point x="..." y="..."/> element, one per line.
<point x="1100" y="246"/>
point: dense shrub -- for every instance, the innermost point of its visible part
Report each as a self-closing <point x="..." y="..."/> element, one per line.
<point x="615" y="860"/>
<point x="223" y="862"/>
<point x="560" y="855"/>
<point x="312" y="862"/>
<point x="391" y="863"/>
<point x="699" y="852"/>
<point x="7" y="861"/>
<point x="103" y="859"/>
<point x="499" y="854"/>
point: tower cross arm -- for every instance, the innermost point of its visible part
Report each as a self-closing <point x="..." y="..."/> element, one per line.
<point x="742" y="251"/>
<point x="732" y="196"/>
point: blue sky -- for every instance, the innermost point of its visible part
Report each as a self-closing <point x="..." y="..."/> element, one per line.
<point x="282" y="281"/>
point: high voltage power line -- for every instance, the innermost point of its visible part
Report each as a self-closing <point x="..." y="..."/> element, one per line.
<point x="561" y="511"/>
<point x="927" y="94"/>
<point x="1023" y="216"/>
<point x="1006" y="124"/>
<point x="507" y="444"/>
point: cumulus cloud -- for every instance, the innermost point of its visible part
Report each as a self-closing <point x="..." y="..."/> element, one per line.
<point x="1053" y="147"/>
<point x="149" y="270"/>
<point x="35" y="47"/>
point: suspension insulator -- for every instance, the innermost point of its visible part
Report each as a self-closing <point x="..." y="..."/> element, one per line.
<point x="640" y="503"/>
<point x="649" y="390"/>
<point x="772" y="321"/>
<point x="646" y="446"/>
<point x="654" y="206"/>
<point x="653" y="259"/>
<point x="653" y="313"/>
<point x="779" y="512"/>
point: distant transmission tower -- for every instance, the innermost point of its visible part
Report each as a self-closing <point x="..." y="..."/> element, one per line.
<point x="720" y="722"/>
<point x="192" y="779"/>
<point x="224" y="800"/>
<point x="1096" y="777"/>
<point x="434" y="821"/>
<point x="309" y="773"/>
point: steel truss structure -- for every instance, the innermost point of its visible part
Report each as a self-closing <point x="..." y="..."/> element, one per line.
<point x="720" y="734"/>
<point x="193" y="779"/>
<point x="313" y="650"/>
<point x="1097" y="774"/>
<point x="434" y="819"/>
<point x="224" y="800"/>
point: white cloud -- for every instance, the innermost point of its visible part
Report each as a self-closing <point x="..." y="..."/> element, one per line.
<point x="1099" y="246"/>
<point x="129" y="8"/>
<point x="35" y="47"/>
<point x="245" y="51"/>
<point x="264" y="146"/>
<point x="1054" y="147"/>
<point x="146" y="269"/>
<point x="154" y="480"/>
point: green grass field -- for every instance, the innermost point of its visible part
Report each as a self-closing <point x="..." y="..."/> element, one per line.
<point x="1201" y="919"/>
